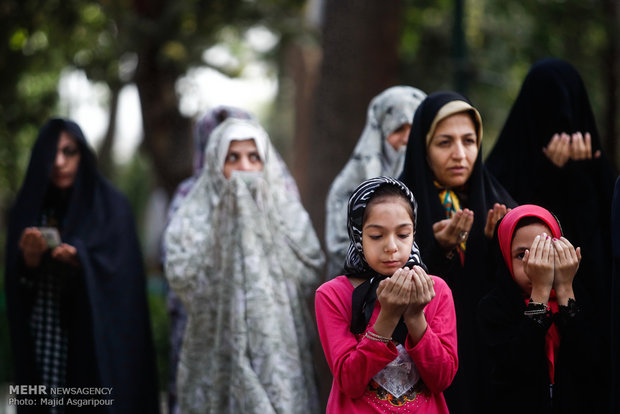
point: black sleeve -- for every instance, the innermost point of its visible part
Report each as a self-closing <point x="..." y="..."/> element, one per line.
<point x="579" y="340"/>
<point x="438" y="261"/>
<point x="515" y="344"/>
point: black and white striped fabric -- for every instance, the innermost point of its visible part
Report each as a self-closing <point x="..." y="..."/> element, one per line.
<point x="364" y="296"/>
<point x="355" y="262"/>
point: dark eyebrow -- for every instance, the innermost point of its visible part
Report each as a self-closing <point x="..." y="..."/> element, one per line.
<point x="382" y="227"/>
<point x="473" y="134"/>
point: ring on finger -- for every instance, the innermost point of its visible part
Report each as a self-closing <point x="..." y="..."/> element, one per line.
<point x="462" y="236"/>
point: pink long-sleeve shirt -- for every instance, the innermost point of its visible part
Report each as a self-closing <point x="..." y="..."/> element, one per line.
<point x="354" y="359"/>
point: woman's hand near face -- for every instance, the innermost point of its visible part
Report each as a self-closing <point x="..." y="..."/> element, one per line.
<point x="33" y="245"/>
<point x="538" y="264"/>
<point x="497" y="212"/>
<point x="393" y="294"/>
<point x="449" y="232"/>
<point x="66" y="253"/>
<point x="567" y="260"/>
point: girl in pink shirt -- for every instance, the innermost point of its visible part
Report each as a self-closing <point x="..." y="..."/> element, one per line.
<point x="387" y="328"/>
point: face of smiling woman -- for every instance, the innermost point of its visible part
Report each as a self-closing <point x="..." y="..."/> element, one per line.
<point x="67" y="161"/>
<point x="452" y="150"/>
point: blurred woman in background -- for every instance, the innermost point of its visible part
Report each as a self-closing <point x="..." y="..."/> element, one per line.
<point x="243" y="258"/>
<point x="75" y="283"/>
<point x="178" y="317"/>
<point x="380" y="151"/>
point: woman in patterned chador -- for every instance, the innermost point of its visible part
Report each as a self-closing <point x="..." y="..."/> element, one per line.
<point x="243" y="257"/>
<point x="380" y="151"/>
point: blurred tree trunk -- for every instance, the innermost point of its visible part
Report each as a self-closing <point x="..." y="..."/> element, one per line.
<point x="612" y="73"/>
<point x="303" y="63"/>
<point x="459" y="49"/>
<point x="167" y="134"/>
<point x="360" y="59"/>
<point x="104" y="154"/>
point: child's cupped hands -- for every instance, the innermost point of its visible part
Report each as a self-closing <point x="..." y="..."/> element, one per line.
<point x="538" y="263"/>
<point x="423" y="291"/>
<point x="566" y="263"/>
<point x="394" y="292"/>
<point x="406" y="292"/>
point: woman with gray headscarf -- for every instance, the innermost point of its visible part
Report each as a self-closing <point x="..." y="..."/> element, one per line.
<point x="380" y="151"/>
<point x="243" y="257"/>
<point x="176" y="314"/>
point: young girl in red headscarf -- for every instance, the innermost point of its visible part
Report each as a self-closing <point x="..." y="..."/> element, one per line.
<point x="533" y="323"/>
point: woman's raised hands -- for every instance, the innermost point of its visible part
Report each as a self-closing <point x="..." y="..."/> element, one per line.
<point x="33" y="246"/>
<point x="497" y="212"/>
<point x="563" y="147"/>
<point x="450" y="232"/>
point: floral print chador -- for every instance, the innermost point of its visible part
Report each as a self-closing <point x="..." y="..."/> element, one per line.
<point x="243" y="256"/>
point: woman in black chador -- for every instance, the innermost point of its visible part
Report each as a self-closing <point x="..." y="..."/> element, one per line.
<point x="75" y="282"/>
<point x="615" y="327"/>
<point x="549" y="154"/>
<point x="459" y="204"/>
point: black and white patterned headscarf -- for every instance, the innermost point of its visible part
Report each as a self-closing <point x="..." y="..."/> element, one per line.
<point x="365" y="295"/>
<point x="355" y="264"/>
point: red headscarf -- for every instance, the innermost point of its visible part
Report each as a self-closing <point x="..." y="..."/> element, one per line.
<point x="505" y="234"/>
